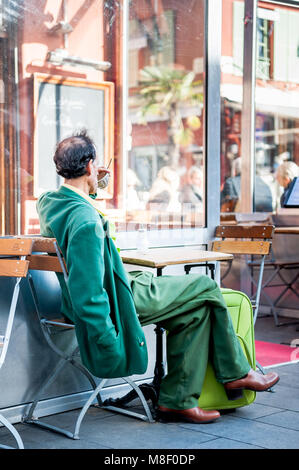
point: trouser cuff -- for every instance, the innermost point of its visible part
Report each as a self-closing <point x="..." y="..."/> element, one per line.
<point x="224" y="380"/>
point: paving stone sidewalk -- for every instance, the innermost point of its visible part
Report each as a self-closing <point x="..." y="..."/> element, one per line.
<point x="271" y="422"/>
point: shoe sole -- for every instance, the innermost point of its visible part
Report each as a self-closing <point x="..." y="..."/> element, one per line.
<point x="165" y="417"/>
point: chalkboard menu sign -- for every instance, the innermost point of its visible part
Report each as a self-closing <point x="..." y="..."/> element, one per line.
<point x="62" y="107"/>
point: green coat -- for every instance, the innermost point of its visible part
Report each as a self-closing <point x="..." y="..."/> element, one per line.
<point x="109" y="334"/>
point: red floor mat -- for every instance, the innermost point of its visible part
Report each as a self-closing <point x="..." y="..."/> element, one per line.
<point x="272" y="353"/>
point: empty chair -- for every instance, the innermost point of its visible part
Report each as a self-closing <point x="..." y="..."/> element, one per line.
<point x="13" y="264"/>
<point x="254" y="240"/>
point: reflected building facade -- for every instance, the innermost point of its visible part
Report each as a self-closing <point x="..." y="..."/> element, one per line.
<point x="135" y="75"/>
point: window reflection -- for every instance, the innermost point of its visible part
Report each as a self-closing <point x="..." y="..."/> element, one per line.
<point x="231" y="102"/>
<point x="77" y="47"/>
<point x="264" y="33"/>
<point x="166" y="49"/>
<point x="277" y="100"/>
<point x="164" y="128"/>
<point x="58" y="42"/>
<point x="277" y="94"/>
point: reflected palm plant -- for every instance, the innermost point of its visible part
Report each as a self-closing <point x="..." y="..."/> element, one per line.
<point x="166" y="91"/>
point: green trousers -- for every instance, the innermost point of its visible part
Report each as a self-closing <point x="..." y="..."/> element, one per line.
<point x="199" y="328"/>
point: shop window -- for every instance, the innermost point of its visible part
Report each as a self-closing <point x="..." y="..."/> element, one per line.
<point x="263" y="48"/>
<point x="165" y="111"/>
<point x="238" y="37"/>
<point x="264" y="44"/>
<point x="277" y="29"/>
<point x="277" y="116"/>
<point x="151" y="42"/>
<point x="59" y="53"/>
<point x="286" y="43"/>
<point x="276" y="97"/>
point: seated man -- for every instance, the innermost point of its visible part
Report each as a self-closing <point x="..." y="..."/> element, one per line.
<point x="285" y="174"/>
<point x="109" y="305"/>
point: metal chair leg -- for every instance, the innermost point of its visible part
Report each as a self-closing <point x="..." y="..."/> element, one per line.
<point x="258" y="365"/>
<point x="148" y="417"/>
<point x="5" y="339"/>
<point x="29" y="417"/>
<point x="13" y="431"/>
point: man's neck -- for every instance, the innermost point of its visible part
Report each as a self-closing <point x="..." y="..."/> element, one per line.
<point x="79" y="183"/>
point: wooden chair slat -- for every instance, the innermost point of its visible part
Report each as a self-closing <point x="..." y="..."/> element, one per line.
<point x="13" y="268"/>
<point x="15" y="246"/>
<point x="228" y="217"/>
<point x="43" y="244"/>
<point x="245" y="231"/>
<point x="242" y="247"/>
<point x="44" y="263"/>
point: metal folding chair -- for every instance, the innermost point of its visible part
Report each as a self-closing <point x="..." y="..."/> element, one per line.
<point x="13" y="264"/>
<point x="53" y="261"/>
<point x="248" y="240"/>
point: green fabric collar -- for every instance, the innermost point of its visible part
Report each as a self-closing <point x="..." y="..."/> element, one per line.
<point x="70" y="193"/>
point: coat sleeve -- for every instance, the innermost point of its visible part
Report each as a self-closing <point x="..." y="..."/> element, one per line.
<point x="90" y="302"/>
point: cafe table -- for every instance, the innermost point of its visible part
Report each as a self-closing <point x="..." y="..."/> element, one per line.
<point x="160" y="258"/>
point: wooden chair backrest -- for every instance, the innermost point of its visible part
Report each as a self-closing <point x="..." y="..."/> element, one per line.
<point x="44" y="262"/>
<point x="244" y="239"/>
<point x="245" y="231"/>
<point x="14" y="248"/>
<point x="48" y="261"/>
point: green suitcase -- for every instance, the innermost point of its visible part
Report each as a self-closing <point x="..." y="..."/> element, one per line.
<point x="213" y="395"/>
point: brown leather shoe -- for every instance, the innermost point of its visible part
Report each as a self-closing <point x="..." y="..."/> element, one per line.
<point x="252" y="381"/>
<point x="191" y="415"/>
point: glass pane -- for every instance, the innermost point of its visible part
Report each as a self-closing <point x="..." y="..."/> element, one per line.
<point x="62" y="69"/>
<point x="166" y="163"/>
<point x="56" y="77"/>
<point x="277" y="102"/>
<point x="231" y="100"/>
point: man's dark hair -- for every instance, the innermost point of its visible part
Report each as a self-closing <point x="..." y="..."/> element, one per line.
<point x="73" y="154"/>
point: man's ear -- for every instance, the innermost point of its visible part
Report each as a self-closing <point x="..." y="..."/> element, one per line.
<point x="89" y="167"/>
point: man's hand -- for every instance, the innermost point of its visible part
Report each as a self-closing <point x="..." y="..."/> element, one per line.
<point x="103" y="177"/>
<point x="102" y="171"/>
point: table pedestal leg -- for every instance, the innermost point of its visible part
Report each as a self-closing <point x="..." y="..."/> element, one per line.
<point x="210" y="266"/>
<point x="149" y="390"/>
